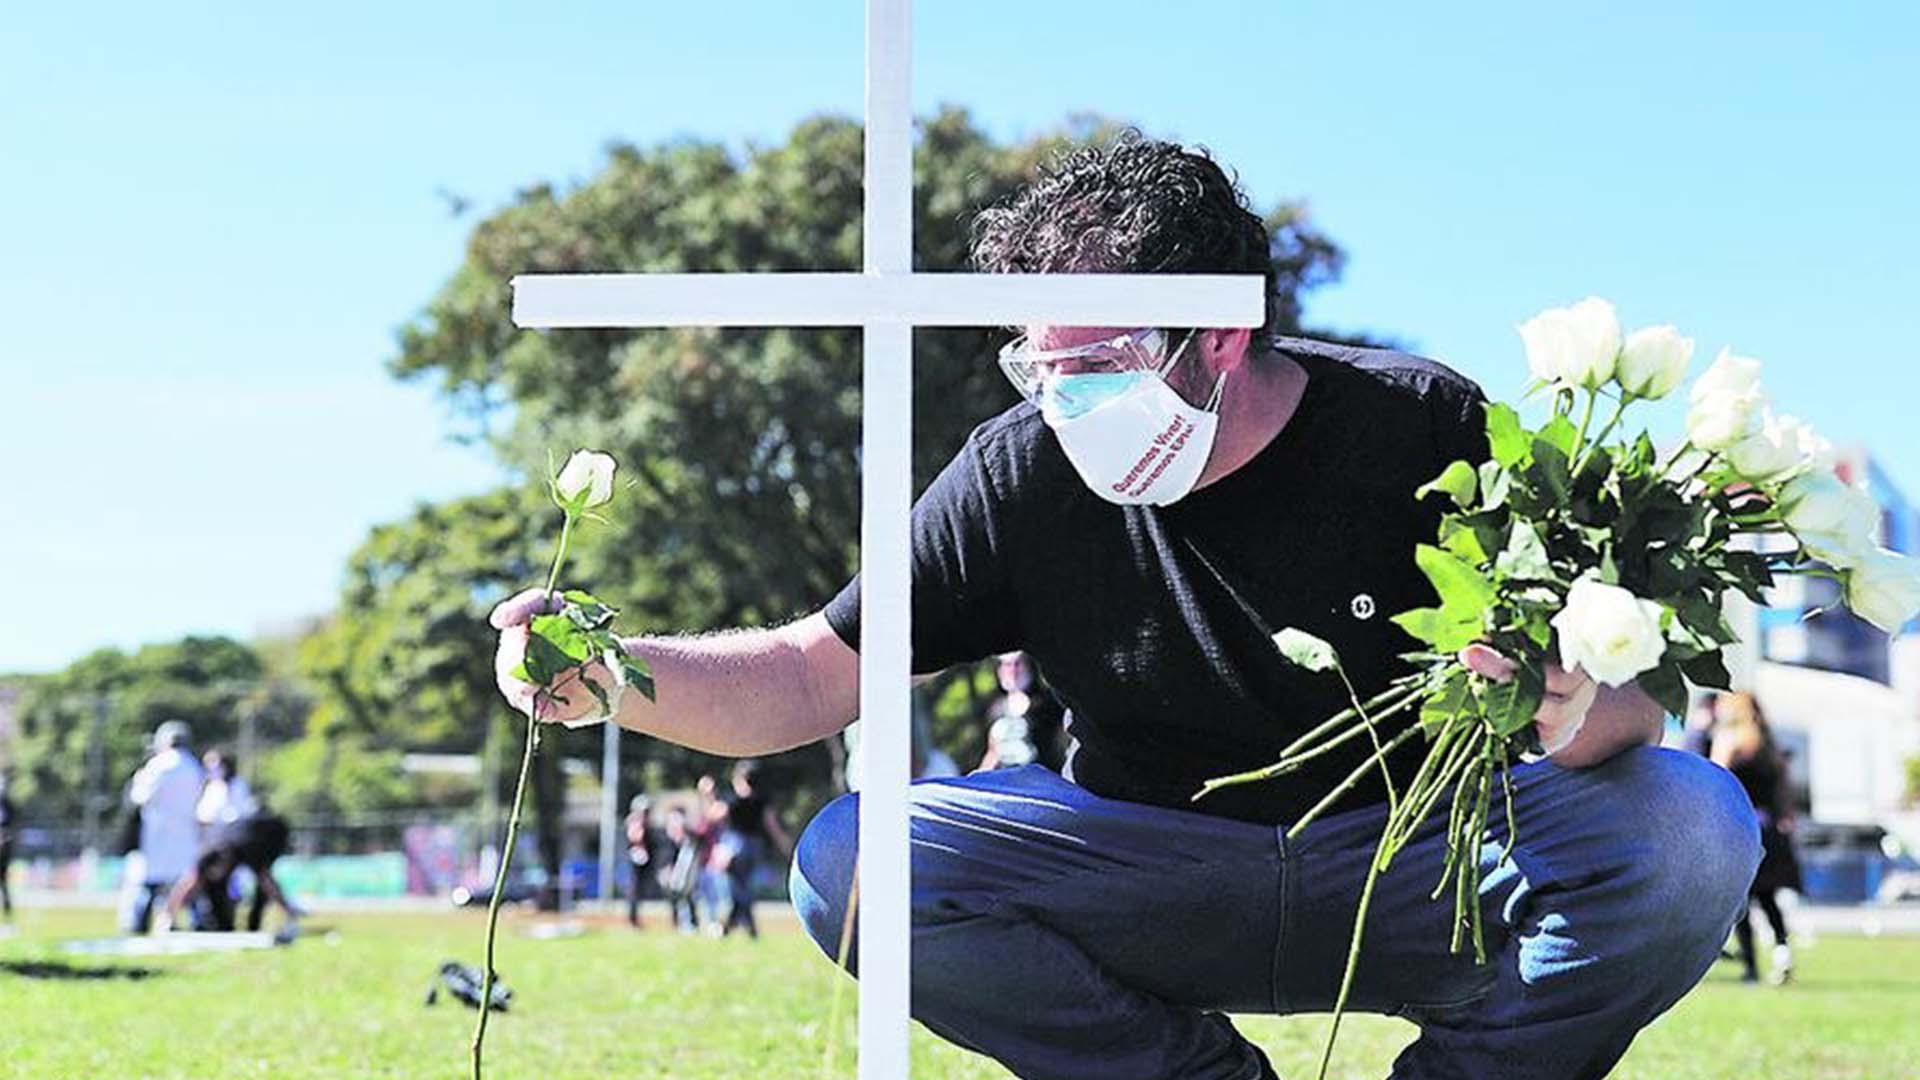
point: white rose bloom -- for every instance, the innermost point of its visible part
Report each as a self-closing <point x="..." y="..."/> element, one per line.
<point x="1727" y="400"/>
<point x="1831" y="519"/>
<point x="590" y="471"/>
<point x="1576" y="345"/>
<point x="1730" y="376"/>
<point x="1884" y="589"/>
<point x="1653" y="361"/>
<point x="1771" y="452"/>
<point x="1721" y="423"/>
<point x="1817" y="450"/>
<point x="1608" y="632"/>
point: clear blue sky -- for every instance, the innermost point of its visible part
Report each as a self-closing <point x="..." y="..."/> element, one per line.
<point x="213" y="217"/>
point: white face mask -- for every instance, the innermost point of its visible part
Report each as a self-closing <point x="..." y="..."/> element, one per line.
<point x="1130" y="436"/>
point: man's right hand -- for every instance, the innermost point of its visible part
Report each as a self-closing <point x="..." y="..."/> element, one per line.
<point x="569" y="700"/>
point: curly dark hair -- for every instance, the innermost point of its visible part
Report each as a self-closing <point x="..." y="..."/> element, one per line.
<point x="1132" y="205"/>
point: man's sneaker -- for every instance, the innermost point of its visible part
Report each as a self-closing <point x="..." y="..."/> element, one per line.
<point x="1782" y="971"/>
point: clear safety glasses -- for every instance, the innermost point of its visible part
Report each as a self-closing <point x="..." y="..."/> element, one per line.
<point x="1030" y="369"/>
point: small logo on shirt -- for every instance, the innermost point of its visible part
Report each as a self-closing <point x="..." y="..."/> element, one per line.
<point x="1362" y="606"/>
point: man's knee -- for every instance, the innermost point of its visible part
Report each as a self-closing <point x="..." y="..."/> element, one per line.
<point x="822" y="874"/>
<point x="1707" y="844"/>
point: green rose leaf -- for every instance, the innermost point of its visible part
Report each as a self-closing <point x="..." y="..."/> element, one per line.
<point x="1559" y="434"/>
<point x="1305" y="650"/>
<point x="1525" y="555"/>
<point x="1509" y="706"/>
<point x="1506" y="439"/>
<point x="639" y="674"/>
<point x="1464" y="591"/>
<point x="1446" y="703"/>
<point x="1456" y="480"/>
<point x="1550" y="473"/>
<point x="545" y="661"/>
<point x="1709" y="669"/>
<point x="1444" y="631"/>
<point x="1664" y="685"/>
<point x="556" y="643"/>
<point x="1496" y="483"/>
<point x="1457" y="536"/>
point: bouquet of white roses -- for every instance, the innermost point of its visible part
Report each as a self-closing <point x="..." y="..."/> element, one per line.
<point x="1606" y="556"/>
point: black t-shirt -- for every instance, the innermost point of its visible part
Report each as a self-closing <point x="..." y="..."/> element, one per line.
<point x="1140" y="615"/>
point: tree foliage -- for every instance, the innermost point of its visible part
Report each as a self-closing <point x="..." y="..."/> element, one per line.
<point x="120" y="698"/>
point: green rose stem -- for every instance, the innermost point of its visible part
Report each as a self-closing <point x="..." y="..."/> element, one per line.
<point x="500" y="880"/>
<point x="1606" y="429"/>
<point x="839" y="984"/>
<point x="513" y="818"/>
<point x="1464" y="754"/>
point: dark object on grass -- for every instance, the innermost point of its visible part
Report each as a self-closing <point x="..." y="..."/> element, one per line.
<point x="463" y="982"/>
<point x="55" y="969"/>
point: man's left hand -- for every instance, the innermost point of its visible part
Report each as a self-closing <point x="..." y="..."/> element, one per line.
<point x="1564" y="709"/>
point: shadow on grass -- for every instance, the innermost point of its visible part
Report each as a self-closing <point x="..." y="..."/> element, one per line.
<point x="62" y="971"/>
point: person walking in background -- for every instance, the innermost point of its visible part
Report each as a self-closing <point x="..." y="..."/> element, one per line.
<point x="640" y="844"/>
<point x="709" y="828"/>
<point x="166" y="792"/>
<point x="7" y="814"/>
<point x="751" y="826"/>
<point x="1743" y="745"/>
<point x="679" y="873"/>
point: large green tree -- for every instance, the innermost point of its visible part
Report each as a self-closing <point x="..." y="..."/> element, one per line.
<point x="84" y="729"/>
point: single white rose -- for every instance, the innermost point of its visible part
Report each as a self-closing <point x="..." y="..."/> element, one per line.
<point x="1720" y="423"/>
<point x="1608" y="632"/>
<point x="1653" y="361"/>
<point x="1833" y="520"/>
<point x="1771" y="451"/>
<point x="1730" y="376"/>
<point x="1726" y="402"/>
<point x="1815" y="450"/>
<point x="1884" y="589"/>
<point x="1574" y="345"/>
<point x="590" y="471"/>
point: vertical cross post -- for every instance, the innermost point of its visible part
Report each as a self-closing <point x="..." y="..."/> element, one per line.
<point x="886" y="300"/>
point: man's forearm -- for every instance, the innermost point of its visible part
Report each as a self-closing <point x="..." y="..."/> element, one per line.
<point x="1621" y="718"/>
<point x="740" y="693"/>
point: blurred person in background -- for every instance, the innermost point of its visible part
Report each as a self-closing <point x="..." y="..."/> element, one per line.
<point x="1696" y="732"/>
<point x="255" y="843"/>
<point x="1024" y="722"/>
<point x="7" y="815"/>
<point x="166" y="793"/>
<point x="1743" y="745"/>
<point x="640" y="845"/>
<point x="679" y="873"/>
<point x="709" y="825"/>
<point x="226" y="799"/>
<point x="752" y="825"/>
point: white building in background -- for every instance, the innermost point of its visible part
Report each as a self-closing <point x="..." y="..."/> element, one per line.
<point x="1843" y="698"/>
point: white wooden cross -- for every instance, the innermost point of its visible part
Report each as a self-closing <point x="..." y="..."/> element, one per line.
<point x="886" y="301"/>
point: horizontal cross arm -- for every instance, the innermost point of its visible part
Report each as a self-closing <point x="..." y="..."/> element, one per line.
<point x="852" y="299"/>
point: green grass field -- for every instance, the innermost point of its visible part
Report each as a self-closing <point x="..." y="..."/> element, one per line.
<point x="612" y="1003"/>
